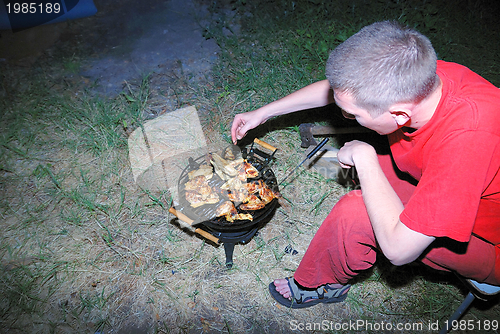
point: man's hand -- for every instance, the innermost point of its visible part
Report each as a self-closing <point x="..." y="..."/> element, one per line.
<point x="315" y="95"/>
<point x="350" y="150"/>
<point x="242" y="123"/>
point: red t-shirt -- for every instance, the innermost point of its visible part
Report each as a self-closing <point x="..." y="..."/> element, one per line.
<point x="456" y="159"/>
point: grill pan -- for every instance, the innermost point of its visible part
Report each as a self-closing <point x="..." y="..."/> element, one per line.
<point x="206" y="214"/>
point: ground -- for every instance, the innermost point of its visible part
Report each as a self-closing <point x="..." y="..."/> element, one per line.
<point x="124" y="41"/>
<point x="84" y="249"/>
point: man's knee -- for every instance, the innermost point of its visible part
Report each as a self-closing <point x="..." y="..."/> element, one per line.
<point x="349" y="204"/>
<point x="349" y="210"/>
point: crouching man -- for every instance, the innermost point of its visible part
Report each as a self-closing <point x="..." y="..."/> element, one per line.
<point x="443" y="126"/>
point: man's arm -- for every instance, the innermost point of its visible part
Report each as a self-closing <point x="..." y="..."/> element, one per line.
<point x="314" y="95"/>
<point x="399" y="244"/>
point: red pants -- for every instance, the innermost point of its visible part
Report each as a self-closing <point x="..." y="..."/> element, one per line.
<point x="345" y="244"/>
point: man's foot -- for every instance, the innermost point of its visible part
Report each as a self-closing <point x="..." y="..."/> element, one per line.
<point x="284" y="289"/>
<point x="288" y="293"/>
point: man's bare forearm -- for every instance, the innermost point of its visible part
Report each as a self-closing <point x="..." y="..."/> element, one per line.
<point x="314" y="95"/>
<point x="398" y="243"/>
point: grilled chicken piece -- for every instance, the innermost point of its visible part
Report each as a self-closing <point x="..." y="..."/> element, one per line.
<point x="253" y="187"/>
<point x="223" y="168"/>
<point x="196" y="183"/>
<point x="252" y="206"/>
<point x="252" y="203"/>
<point x="205" y="191"/>
<point x="228" y="210"/>
<point x="198" y="192"/>
<point x="244" y="216"/>
<point x="204" y="170"/>
<point x="194" y="198"/>
<point x="242" y="173"/>
<point x="229" y="154"/>
<point x="238" y="165"/>
<point x="266" y="194"/>
<point x="232" y="184"/>
<point x="250" y="170"/>
<point x="238" y="195"/>
<point x="211" y="198"/>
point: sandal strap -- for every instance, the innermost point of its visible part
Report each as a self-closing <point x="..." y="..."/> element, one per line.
<point x="324" y="291"/>
<point x="332" y="292"/>
<point x="294" y="289"/>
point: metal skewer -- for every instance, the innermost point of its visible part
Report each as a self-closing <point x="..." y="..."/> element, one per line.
<point x="309" y="156"/>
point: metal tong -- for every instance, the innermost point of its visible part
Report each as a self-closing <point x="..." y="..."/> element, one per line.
<point x="309" y="156"/>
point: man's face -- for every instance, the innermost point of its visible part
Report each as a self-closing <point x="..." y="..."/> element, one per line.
<point x="383" y="124"/>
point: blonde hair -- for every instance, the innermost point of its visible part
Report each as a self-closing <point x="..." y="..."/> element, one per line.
<point x="383" y="64"/>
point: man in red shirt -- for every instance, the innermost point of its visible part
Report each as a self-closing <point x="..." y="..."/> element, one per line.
<point x="443" y="126"/>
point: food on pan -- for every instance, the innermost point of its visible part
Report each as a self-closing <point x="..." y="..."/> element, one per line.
<point x="243" y="216"/>
<point x="247" y="196"/>
<point x="252" y="203"/>
<point x="199" y="192"/>
<point x="232" y="184"/>
<point x="250" y="170"/>
<point x="266" y="194"/>
<point x="196" y="199"/>
<point x="227" y="169"/>
<point x="196" y="183"/>
<point x="228" y="210"/>
<point x="229" y="154"/>
<point x="253" y="187"/>
<point x="223" y="168"/>
<point x="242" y="174"/>
<point x="238" y="195"/>
<point x="205" y="170"/>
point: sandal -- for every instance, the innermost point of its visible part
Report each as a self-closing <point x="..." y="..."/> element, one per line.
<point x="306" y="298"/>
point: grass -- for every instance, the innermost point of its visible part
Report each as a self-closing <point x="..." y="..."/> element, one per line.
<point x="84" y="249"/>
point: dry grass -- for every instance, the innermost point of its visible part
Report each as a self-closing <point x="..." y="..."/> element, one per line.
<point x="85" y="249"/>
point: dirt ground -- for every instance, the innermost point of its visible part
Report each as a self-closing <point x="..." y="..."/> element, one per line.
<point x="122" y="42"/>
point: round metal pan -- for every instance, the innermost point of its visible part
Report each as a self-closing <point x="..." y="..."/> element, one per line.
<point x="205" y="214"/>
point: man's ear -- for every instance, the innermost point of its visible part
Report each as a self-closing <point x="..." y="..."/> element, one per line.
<point x="402" y="116"/>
